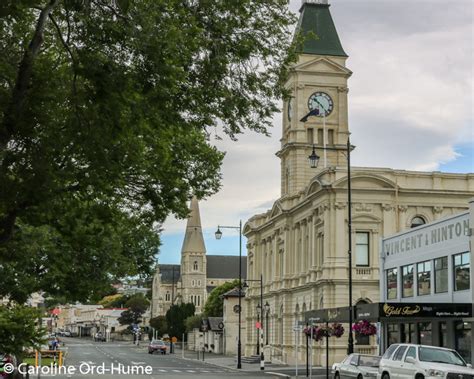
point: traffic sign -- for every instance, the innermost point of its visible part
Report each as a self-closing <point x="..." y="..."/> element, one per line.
<point x="258" y="325"/>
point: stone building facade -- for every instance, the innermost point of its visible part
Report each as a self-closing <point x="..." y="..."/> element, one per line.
<point x="197" y="275"/>
<point x="301" y="244"/>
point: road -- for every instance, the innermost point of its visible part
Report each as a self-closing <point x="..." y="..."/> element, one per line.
<point x="91" y="360"/>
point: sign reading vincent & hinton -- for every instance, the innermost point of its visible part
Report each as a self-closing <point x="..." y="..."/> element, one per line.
<point x="424" y="237"/>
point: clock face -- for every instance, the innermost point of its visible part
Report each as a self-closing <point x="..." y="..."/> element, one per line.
<point x="290" y="109"/>
<point x="322" y="101"/>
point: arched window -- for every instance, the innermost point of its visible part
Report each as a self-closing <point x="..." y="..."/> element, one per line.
<point x="195" y="266"/>
<point x="193" y="283"/>
<point x="168" y="296"/>
<point x="417" y="221"/>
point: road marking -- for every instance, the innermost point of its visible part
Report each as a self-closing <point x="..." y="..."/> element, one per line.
<point x="137" y="363"/>
<point x="190" y="371"/>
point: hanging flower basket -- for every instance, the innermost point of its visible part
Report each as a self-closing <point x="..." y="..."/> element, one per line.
<point x="323" y="331"/>
<point x="337" y="330"/>
<point x="364" y="328"/>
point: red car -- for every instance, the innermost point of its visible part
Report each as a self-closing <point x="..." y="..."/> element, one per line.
<point x="157" y="345"/>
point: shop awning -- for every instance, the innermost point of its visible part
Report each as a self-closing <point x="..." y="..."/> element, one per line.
<point x="386" y="311"/>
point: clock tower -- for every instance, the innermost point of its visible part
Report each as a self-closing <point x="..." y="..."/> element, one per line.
<point x="317" y="80"/>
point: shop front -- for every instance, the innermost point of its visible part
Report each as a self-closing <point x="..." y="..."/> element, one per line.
<point x="438" y="324"/>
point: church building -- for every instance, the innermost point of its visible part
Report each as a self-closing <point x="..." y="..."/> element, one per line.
<point x="197" y="275"/>
<point x="300" y="245"/>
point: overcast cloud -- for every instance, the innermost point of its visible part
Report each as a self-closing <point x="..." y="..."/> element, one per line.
<point x="410" y="102"/>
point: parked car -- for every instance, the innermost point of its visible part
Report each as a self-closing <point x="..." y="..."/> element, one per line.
<point x="157" y="346"/>
<point x="4" y="359"/>
<point x="356" y="366"/>
<point x="402" y="361"/>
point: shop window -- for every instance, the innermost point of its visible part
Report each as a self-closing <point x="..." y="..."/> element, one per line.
<point x="362" y="249"/>
<point x="443" y="336"/>
<point x="461" y="271"/>
<point x="407" y="280"/>
<point x="392" y="283"/>
<point x="424" y="333"/>
<point x="408" y="332"/>
<point x="463" y="336"/>
<point x="441" y="275"/>
<point x="423" y="271"/>
<point x="393" y="335"/>
<point x="417" y="221"/>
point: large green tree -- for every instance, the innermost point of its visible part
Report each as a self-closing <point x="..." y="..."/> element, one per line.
<point x="176" y="316"/>
<point x="214" y="303"/>
<point x="137" y="306"/>
<point x="106" y="113"/>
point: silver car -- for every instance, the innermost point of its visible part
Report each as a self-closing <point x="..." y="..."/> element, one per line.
<point x="356" y="366"/>
<point x="408" y="361"/>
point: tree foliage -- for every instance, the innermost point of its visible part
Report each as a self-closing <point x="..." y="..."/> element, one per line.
<point x="193" y="322"/>
<point x="19" y="329"/>
<point x="175" y="317"/>
<point x="137" y="306"/>
<point x="106" y="112"/>
<point x="160" y="325"/>
<point x="214" y="304"/>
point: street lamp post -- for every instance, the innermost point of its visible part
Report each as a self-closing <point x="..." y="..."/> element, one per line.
<point x="267" y="311"/>
<point x="218" y="235"/>
<point x="259" y="312"/>
<point x="313" y="160"/>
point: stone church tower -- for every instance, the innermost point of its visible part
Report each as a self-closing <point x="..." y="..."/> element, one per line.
<point x="193" y="260"/>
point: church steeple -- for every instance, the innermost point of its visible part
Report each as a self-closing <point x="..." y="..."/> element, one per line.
<point x="316" y="24"/>
<point x="193" y="260"/>
<point x="193" y="239"/>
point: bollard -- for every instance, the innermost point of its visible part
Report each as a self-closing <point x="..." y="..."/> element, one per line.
<point x="203" y="350"/>
<point x="197" y="351"/>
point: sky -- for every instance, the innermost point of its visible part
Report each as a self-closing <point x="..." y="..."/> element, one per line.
<point x="410" y="107"/>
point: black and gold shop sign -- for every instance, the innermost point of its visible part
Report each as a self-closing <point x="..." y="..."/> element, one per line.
<point x="432" y="310"/>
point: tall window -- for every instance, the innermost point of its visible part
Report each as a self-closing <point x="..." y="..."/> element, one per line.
<point x="392" y="283"/>
<point x="441" y="275"/>
<point x="168" y="296"/>
<point x="461" y="271"/>
<point x="362" y="249"/>
<point x="407" y="281"/>
<point x="423" y="271"/>
<point x="195" y="266"/>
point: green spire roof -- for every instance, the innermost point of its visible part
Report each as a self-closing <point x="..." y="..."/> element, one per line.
<point x="316" y="18"/>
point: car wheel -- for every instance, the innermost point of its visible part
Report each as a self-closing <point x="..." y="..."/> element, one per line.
<point x="385" y="375"/>
<point x="360" y="377"/>
<point x="419" y="376"/>
<point x="336" y="375"/>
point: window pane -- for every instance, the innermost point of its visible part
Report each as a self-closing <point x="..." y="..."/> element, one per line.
<point x="411" y="353"/>
<point x="424" y="278"/>
<point x="362" y="238"/>
<point x="362" y="249"/>
<point x="461" y="272"/>
<point x="362" y="255"/>
<point x="392" y="284"/>
<point x="424" y="333"/>
<point x="441" y="275"/>
<point x="407" y="281"/>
